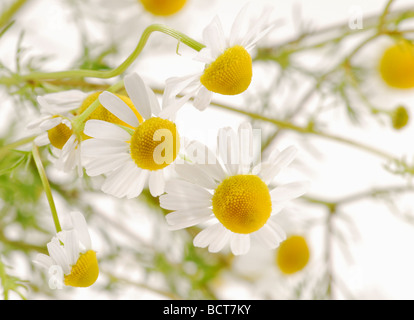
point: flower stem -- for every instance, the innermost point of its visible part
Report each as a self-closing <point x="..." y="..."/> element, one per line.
<point x="10" y="12"/>
<point x="78" y="74"/>
<point x="308" y="130"/>
<point x="46" y="186"/>
<point x="5" y="149"/>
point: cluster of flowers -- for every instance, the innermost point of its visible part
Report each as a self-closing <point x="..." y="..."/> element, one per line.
<point x="133" y="142"/>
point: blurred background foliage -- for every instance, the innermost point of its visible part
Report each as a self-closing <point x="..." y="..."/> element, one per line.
<point x="318" y="82"/>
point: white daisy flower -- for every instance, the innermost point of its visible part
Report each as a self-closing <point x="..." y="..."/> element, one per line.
<point x="234" y="196"/>
<point x="54" y="127"/>
<point x="228" y="62"/>
<point x="131" y="157"/>
<point x="71" y="257"/>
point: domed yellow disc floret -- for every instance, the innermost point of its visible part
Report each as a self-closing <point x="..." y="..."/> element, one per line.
<point x="230" y="73"/>
<point x="397" y="65"/>
<point x="155" y="144"/>
<point x="163" y="7"/>
<point x="293" y="254"/>
<point x="242" y="203"/>
<point x="59" y="135"/>
<point x="85" y="272"/>
<point x="101" y="113"/>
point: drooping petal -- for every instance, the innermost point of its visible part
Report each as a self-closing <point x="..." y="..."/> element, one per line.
<point x="81" y="228"/>
<point x="137" y="91"/>
<point x="118" y="108"/>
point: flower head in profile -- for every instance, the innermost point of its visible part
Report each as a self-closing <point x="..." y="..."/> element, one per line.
<point x="233" y="197"/>
<point x="54" y="127"/>
<point x="163" y="7"/>
<point x="228" y="62"/>
<point x="70" y="252"/>
<point x="131" y="156"/>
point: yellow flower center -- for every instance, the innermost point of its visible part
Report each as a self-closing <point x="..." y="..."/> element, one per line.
<point x="155" y="144"/>
<point x="230" y="73"/>
<point x="397" y="65"/>
<point x="242" y="203"/>
<point x="292" y="255"/>
<point x="85" y="272"/>
<point x="163" y="7"/>
<point x="59" y="135"/>
<point x="101" y="113"/>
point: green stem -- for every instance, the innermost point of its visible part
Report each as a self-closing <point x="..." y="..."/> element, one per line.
<point x="5" y="149"/>
<point x="77" y="74"/>
<point x="10" y="12"/>
<point x="46" y="186"/>
<point x="306" y="130"/>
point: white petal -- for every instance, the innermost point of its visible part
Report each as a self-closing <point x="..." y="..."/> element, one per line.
<point x="137" y="184"/>
<point x="118" y="108"/>
<point x="181" y="202"/>
<point x="187" y="218"/>
<point x="105" y="130"/>
<point x="239" y="27"/>
<point x="246" y="150"/>
<point x="65" y="101"/>
<point x="50" y="123"/>
<point x="222" y="237"/>
<point x="213" y="37"/>
<point x="106" y="164"/>
<point x="57" y="253"/>
<point x="240" y="243"/>
<point x="193" y="173"/>
<point x="289" y="191"/>
<point x="81" y="228"/>
<point x="270" y="235"/>
<point x="42" y="140"/>
<point x="228" y="146"/>
<point x="138" y="93"/>
<point x="205" y="56"/>
<point x="203" y="98"/>
<point x="207" y="236"/>
<point x="98" y="147"/>
<point x="277" y="161"/>
<point x="72" y="246"/>
<point x="172" y="108"/>
<point x="43" y="260"/>
<point x="156" y="183"/>
<point x="186" y="190"/>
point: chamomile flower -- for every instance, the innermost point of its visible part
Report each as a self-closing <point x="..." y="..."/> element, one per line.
<point x="228" y="62"/>
<point x="131" y="157"/>
<point x="54" y="127"/>
<point x="233" y="197"/>
<point x="71" y="254"/>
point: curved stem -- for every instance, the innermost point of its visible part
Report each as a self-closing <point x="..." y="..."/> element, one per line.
<point x="46" y="186"/>
<point x="76" y="74"/>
